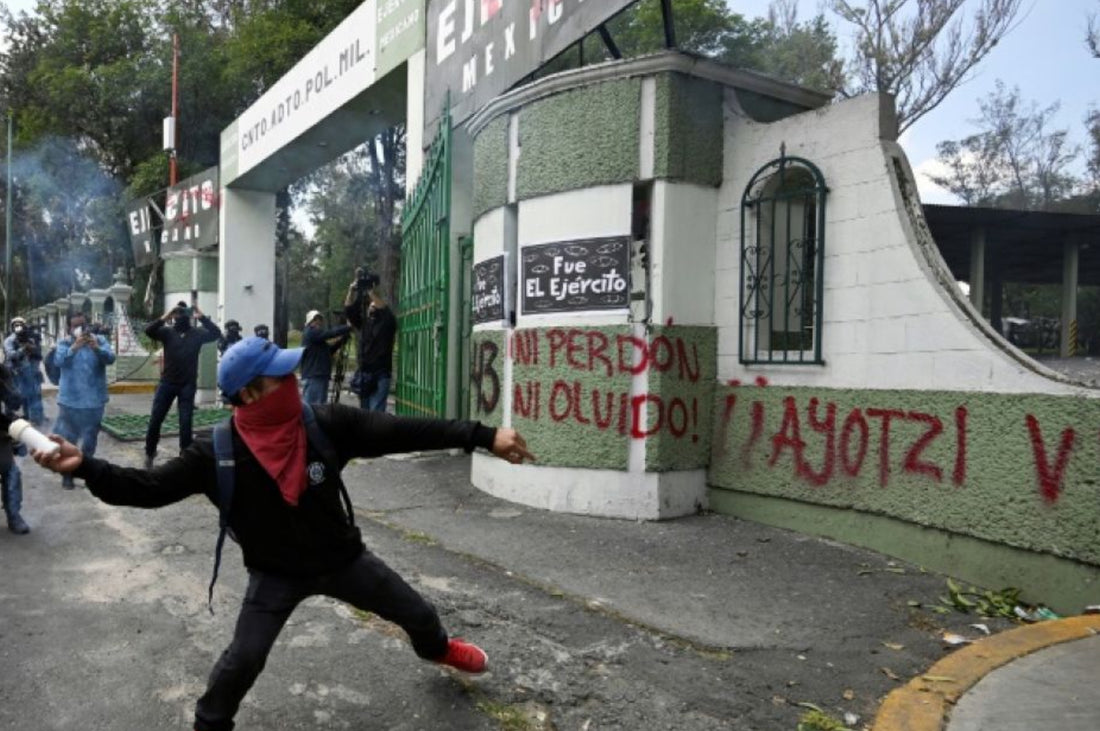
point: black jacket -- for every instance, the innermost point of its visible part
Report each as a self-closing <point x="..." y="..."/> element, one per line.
<point x="10" y="401"/>
<point x="181" y="350"/>
<point x="311" y="539"/>
<point x="376" y="335"/>
<point x="317" y="356"/>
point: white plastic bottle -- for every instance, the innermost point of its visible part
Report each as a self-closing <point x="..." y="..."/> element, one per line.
<point x="21" y="430"/>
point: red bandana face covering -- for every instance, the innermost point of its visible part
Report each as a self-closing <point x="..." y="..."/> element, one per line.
<point x="272" y="429"/>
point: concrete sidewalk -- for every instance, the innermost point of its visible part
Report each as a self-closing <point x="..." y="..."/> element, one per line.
<point x="697" y="623"/>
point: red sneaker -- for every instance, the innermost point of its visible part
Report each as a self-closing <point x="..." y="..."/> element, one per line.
<point x="464" y="656"/>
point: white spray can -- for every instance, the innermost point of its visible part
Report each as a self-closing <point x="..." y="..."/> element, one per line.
<point x="21" y="430"/>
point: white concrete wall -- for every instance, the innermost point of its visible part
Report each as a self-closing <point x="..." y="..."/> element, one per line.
<point x="246" y="275"/>
<point x="683" y="233"/>
<point x="893" y="317"/>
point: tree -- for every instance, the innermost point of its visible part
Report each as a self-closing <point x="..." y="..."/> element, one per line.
<point x="779" y="45"/>
<point x="800" y="52"/>
<point x="1015" y="161"/>
<point x="919" y="50"/>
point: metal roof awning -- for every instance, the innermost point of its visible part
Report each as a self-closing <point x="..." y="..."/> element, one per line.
<point x="1021" y="246"/>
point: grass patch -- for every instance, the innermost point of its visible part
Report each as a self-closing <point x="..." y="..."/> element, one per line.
<point x="131" y="427"/>
<point x="818" y="720"/>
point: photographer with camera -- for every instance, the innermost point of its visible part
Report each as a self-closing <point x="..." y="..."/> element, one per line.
<point x="318" y="344"/>
<point x="369" y="314"/>
<point x="83" y="358"/>
<point x="23" y="351"/>
<point x="179" y="379"/>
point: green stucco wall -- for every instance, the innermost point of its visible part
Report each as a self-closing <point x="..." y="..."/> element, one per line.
<point x="487" y="376"/>
<point x="688" y="129"/>
<point x="178" y="271"/>
<point x="570" y="397"/>
<point x="572" y="393"/>
<point x="579" y="138"/>
<point x="208" y="274"/>
<point x="491" y="166"/>
<point x="177" y="274"/>
<point x="1020" y="470"/>
<point x="682" y="363"/>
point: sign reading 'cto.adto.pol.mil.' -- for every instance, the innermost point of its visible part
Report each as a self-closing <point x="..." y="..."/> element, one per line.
<point x="478" y="49"/>
<point x="575" y="276"/>
<point x="374" y="39"/>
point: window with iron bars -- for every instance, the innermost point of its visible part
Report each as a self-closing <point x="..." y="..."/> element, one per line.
<point x="782" y="263"/>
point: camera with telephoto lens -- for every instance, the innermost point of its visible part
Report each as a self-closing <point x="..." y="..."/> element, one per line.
<point x="365" y="280"/>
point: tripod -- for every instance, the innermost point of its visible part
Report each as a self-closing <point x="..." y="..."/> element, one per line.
<point x="339" y="368"/>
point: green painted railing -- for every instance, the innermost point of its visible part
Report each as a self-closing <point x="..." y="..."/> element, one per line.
<point x="425" y="285"/>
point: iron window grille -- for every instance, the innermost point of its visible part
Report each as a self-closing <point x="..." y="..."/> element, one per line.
<point x="782" y="263"/>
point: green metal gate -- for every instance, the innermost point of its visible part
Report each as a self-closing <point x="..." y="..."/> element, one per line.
<point x="425" y="285"/>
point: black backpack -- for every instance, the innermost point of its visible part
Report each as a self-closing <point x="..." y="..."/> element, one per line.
<point x="53" y="370"/>
<point x="226" y="470"/>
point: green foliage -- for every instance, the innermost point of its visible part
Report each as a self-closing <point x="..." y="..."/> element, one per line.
<point x="89" y="82"/>
<point x="982" y="603"/>
<point x="816" y="719"/>
<point x="1014" y="160"/>
<point x="779" y="45"/>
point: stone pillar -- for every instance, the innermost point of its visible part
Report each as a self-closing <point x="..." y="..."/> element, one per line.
<point x="61" y="323"/>
<point x="194" y="274"/>
<point x="98" y="298"/>
<point x="133" y="362"/>
<point x="49" y="321"/>
<point x="570" y="180"/>
<point x="1071" y="254"/>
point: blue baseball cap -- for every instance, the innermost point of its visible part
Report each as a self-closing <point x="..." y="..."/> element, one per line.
<point x="253" y="357"/>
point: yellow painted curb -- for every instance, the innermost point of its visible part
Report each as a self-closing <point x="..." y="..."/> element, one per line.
<point x="922" y="704"/>
<point x="132" y="387"/>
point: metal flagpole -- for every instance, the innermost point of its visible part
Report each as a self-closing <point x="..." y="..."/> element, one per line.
<point x="7" y="238"/>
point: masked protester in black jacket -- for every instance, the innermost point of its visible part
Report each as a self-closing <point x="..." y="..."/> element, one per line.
<point x="290" y="513"/>
<point x="11" y="479"/>
<point x="179" y="379"/>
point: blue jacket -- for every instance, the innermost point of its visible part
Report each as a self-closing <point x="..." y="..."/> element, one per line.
<point x="83" y="373"/>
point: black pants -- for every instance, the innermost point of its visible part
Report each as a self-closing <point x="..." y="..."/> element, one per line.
<point x="184" y="395"/>
<point x="366" y="583"/>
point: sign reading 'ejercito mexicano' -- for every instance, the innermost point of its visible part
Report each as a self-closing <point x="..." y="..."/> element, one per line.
<point x="477" y="49"/>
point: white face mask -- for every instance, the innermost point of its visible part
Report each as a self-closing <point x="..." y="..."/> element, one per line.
<point x="18" y="328"/>
<point x="78" y="331"/>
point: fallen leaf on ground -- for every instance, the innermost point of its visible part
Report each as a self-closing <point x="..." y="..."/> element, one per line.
<point x="893" y="645"/>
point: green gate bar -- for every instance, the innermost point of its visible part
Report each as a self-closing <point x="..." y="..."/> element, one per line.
<point x="425" y="285"/>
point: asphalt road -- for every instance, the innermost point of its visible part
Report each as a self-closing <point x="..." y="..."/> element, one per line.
<point x="701" y="623"/>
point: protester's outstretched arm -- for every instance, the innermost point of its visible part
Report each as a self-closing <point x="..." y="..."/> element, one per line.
<point x="171" y="482"/>
<point x="360" y="433"/>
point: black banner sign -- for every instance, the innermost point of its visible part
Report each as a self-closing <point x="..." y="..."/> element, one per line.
<point x="191" y="214"/>
<point x="477" y="49"/>
<point x="490" y="301"/>
<point x="574" y="276"/>
<point x="139" y="220"/>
